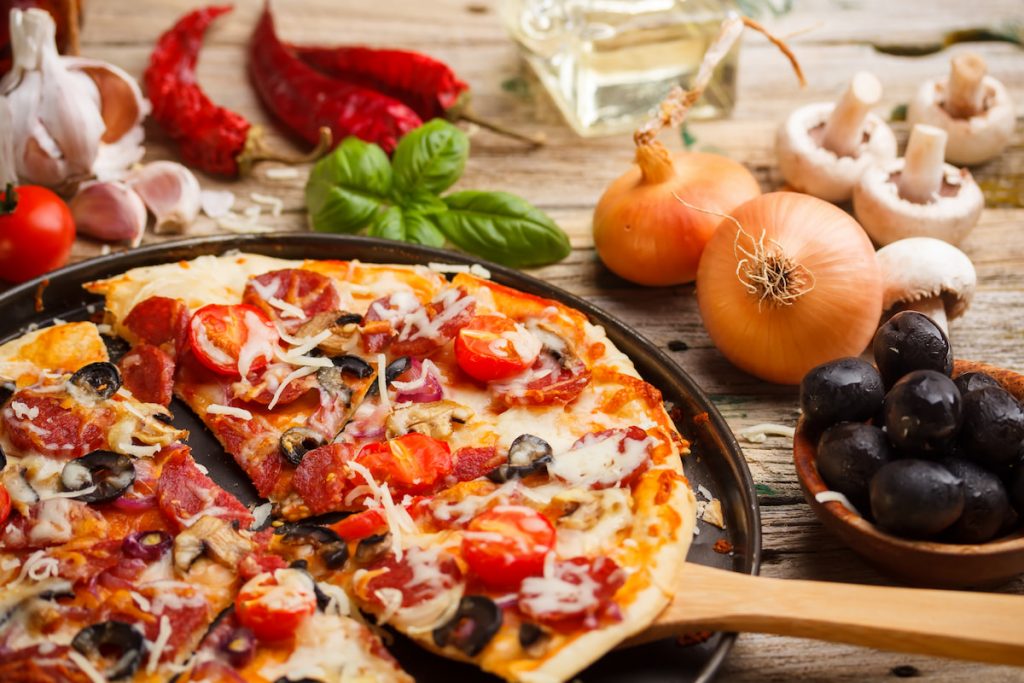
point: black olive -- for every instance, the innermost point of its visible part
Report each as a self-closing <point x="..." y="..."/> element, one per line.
<point x="986" y="503"/>
<point x="1016" y="487"/>
<point x="474" y="624"/>
<point x="111" y="474"/>
<point x="239" y="647"/>
<point x="101" y="379"/>
<point x="348" y="319"/>
<point x="916" y="498"/>
<point x="527" y="454"/>
<point x="304" y="679"/>
<point x="993" y="428"/>
<point x="530" y="634"/>
<point x="3" y="459"/>
<point x="843" y="390"/>
<point x="969" y="381"/>
<point x="299" y="533"/>
<point x="333" y="380"/>
<point x="353" y="365"/>
<point x="923" y="412"/>
<point x="166" y="418"/>
<point x="298" y="441"/>
<point x="849" y="454"/>
<point x="392" y="372"/>
<point x="116" y="640"/>
<point x="6" y="391"/>
<point x="911" y="341"/>
<point x="116" y="347"/>
<point x="372" y="548"/>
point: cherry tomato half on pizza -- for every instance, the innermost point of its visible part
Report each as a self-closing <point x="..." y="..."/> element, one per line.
<point x="411" y="464"/>
<point x="274" y="604"/>
<point x="491" y="347"/>
<point x="232" y="339"/>
<point x="360" y="525"/>
<point x="5" y="504"/>
<point x="507" y="544"/>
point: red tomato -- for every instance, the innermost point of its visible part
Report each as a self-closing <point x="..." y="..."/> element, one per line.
<point x="411" y="464"/>
<point x="360" y="525"/>
<point x="506" y="544"/>
<point x="5" y="504"/>
<point x="36" y="232"/>
<point x="273" y="605"/>
<point x="485" y="350"/>
<point x="221" y="336"/>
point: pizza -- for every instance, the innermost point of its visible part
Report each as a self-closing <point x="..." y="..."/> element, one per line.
<point x="475" y="467"/>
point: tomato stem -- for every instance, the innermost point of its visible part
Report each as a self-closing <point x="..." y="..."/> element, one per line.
<point x="10" y="202"/>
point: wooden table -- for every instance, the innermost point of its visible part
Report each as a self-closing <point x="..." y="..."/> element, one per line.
<point x="567" y="176"/>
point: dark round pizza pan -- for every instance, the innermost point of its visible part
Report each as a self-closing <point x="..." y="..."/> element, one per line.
<point x="715" y="465"/>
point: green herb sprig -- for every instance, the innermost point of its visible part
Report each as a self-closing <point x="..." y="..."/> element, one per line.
<point x="357" y="188"/>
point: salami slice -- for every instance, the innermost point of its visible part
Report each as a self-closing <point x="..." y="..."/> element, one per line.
<point x="184" y="493"/>
<point x="147" y="371"/>
<point x="319" y="479"/>
<point x="291" y="296"/>
<point x="160" y="321"/>
<point x="54" y="425"/>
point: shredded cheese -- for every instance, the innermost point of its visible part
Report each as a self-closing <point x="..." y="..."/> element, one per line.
<point x="159" y="644"/>
<point x="836" y="497"/>
<point x="87" y="668"/>
<point x="397" y="517"/>
<point x="287" y="310"/>
<point x="220" y="409"/>
<point x="291" y="377"/>
<point x="281" y="173"/>
<point x="759" y="433"/>
<point x="276" y="205"/>
<point x="382" y="380"/>
<point x="260" y="514"/>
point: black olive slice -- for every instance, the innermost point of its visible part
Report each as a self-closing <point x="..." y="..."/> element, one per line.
<point x="530" y="634"/>
<point x="101" y="379"/>
<point x="6" y="391"/>
<point x="110" y="473"/>
<point x="298" y="441"/>
<point x="353" y="365"/>
<point x="348" y="319"/>
<point x="305" y="679"/>
<point x="392" y="372"/>
<point x="333" y="381"/>
<point x="527" y="454"/>
<point x="372" y="548"/>
<point x="113" y="640"/>
<point x="300" y="533"/>
<point x="334" y="555"/>
<point x="166" y="418"/>
<point x="3" y="459"/>
<point x="472" y="627"/>
<point x="116" y="347"/>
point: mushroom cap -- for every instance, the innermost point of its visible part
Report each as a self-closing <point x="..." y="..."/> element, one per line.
<point x="887" y="217"/>
<point x="810" y="168"/>
<point x="971" y="141"/>
<point x="923" y="268"/>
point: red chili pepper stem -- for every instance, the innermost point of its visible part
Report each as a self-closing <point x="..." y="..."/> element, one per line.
<point x="10" y="203"/>
<point x="467" y="115"/>
<point x="256" y="149"/>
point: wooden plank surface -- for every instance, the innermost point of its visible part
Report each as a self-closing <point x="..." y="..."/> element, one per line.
<point x="567" y="176"/>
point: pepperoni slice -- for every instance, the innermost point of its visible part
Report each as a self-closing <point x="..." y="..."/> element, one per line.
<point x="310" y="292"/>
<point x="148" y="372"/>
<point x="40" y="422"/>
<point x="183" y="492"/>
<point x="254" y="445"/>
<point x="30" y="665"/>
<point x="551" y="379"/>
<point x="575" y="591"/>
<point x="623" y="454"/>
<point x="421" y="575"/>
<point x="262" y="385"/>
<point x="403" y="315"/>
<point x="472" y="463"/>
<point x="319" y="478"/>
<point x="160" y="321"/>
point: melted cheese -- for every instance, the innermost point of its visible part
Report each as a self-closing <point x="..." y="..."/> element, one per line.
<point x="563" y="588"/>
<point x="53" y="521"/>
<point x="600" y="461"/>
<point x="220" y="409"/>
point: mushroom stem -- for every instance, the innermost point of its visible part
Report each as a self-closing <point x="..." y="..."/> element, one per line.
<point x="965" y="92"/>
<point x="934" y="308"/>
<point x="844" y="130"/>
<point x="921" y="178"/>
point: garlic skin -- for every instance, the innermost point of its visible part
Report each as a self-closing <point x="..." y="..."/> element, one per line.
<point x="72" y="118"/>
<point x="8" y="174"/>
<point x="110" y="211"/>
<point x="171" y="192"/>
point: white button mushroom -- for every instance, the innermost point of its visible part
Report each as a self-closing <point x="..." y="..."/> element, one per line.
<point x="918" y="195"/>
<point x="823" y="149"/>
<point x="973" y="108"/>
<point x="926" y="275"/>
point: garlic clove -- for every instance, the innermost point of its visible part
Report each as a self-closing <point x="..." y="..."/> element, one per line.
<point x="109" y="211"/>
<point x="171" y="192"/>
<point x="8" y="174"/>
<point x="122" y="105"/>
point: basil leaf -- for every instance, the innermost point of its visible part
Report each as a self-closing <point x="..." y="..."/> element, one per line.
<point x="348" y="187"/>
<point x="503" y="228"/>
<point x="404" y="226"/>
<point x="430" y="158"/>
<point x="423" y="203"/>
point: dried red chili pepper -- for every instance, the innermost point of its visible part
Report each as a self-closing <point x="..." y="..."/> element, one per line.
<point x="428" y="86"/>
<point x="211" y="138"/>
<point x="303" y="99"/>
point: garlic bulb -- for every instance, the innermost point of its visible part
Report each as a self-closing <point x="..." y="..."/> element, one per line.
<point x="170" y="191"/>
<point x="72" y="118"/>
<point x="109" y="211"/>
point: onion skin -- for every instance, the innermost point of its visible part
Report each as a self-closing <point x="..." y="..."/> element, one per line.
<point x="836" y="317"/>
<point x="645" y="235"/>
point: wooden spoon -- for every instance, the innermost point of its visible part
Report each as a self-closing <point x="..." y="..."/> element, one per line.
<point x="985" y="627"/>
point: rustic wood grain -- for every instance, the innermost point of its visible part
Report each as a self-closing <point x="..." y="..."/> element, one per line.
<point x="567" y="176"/>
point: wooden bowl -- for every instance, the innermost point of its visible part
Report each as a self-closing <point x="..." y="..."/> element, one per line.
<point x="923" y="563"/>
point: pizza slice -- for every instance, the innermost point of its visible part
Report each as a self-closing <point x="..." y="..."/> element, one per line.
<point x="284" y="626"/>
